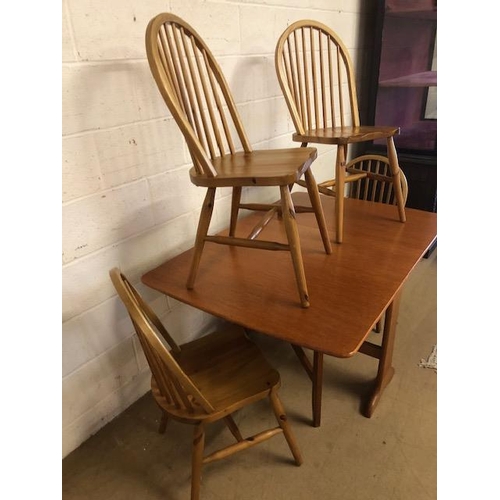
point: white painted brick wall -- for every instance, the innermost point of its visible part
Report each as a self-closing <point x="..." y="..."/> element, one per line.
<point x="127" y="198"/>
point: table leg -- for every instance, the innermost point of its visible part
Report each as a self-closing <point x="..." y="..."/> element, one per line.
<point x="383" y="353"/>
<point x="315" y="372"/>
<point x="385" y="369"/>
<point x="317" y="387"/>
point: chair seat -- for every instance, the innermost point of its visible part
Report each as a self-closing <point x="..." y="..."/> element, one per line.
<point x="258" y="168"/>
<point x="345" y="135"/>
<point x="227" y="368"/>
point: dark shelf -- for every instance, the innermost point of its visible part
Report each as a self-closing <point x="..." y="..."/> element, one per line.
<point x="423" y="79"/>
<point x="415" y="14"/>
<point x="403" y="82"/>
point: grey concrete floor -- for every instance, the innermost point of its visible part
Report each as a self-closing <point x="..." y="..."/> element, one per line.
<point x="391" y="456"/>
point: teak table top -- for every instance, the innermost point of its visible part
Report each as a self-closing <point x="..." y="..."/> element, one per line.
<point x="348" y="289"/>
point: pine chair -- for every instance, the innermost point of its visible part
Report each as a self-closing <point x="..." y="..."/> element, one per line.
<point x="316" y="76"/>
<point x="370" y="179"/>
<point x="205" y="380"/>
<point x="197" y="94"/>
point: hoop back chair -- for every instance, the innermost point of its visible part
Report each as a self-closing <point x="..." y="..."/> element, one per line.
<point x="205" y="380"/>
<point x="370" y="179"/>
<point x="196" y="92"/>
<point x="316" y="76"/>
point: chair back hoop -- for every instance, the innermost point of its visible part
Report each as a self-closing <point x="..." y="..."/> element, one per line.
<point x="175" y="386"/>
<point x="195" y="91"/>
<point x="378" y="185"/>
<point x="316" y="76"/>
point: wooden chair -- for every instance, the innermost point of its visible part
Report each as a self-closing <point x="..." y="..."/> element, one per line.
<point x="370" y="179"/>
<point x="316" y="76"/>
<point x="196" y="92"/>
<point x="205" y="380"/>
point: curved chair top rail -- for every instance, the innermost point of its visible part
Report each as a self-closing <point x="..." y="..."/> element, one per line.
<point x="195" y="90"/>
<point x="173" y="383"/>
<point x="316" y="76"/>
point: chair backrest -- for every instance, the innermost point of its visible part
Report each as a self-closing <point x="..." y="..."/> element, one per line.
<point x="195" y="90"/>
<point x="175" y="386"/>
<point x="316" y="76"/>
<point x="377" y="186"/>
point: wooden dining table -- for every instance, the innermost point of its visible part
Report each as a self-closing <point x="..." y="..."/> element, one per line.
<point x="349" y="290"/>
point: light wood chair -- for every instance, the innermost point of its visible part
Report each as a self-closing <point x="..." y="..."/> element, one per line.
<point x="316" y="76"/>
<point x="370" y="179"/>
<point x="205" y="380"/>
<point x="197" y="94"/>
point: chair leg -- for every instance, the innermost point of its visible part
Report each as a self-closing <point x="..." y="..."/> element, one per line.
<point x="197" y="460"/>
<point x="339" y="190"/>
<point x="231" y="424"/>
<point x="203" y="225"/>
<point x="163" y="423"/>
<point x="312" y="189"/>
<point x="294" y="243"/>
<point x="235" y="204"/>
<point x="281" y="417"/>
<point x="396" y="181"/>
